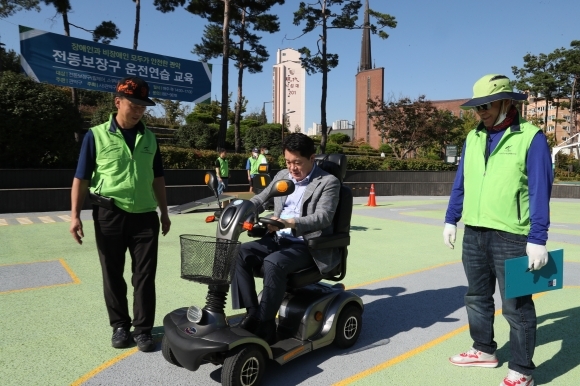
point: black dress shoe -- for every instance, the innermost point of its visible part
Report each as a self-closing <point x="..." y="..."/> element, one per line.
<point x="120" y="338"/>
<point x="249" y="323"/>
<point x="144" y="342"/>
<point x="267" y="331"/>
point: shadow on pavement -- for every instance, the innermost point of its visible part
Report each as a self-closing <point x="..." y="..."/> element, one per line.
<point x="563" y="326"/>
<point x="388" y="312"/>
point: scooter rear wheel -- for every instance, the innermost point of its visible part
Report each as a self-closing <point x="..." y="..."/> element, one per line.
<point x="348" y="326"/>
<point x="167" y="354"/>
<point x="244" y="366"/>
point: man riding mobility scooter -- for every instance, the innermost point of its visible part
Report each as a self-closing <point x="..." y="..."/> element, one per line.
<point x="312" y="315"/>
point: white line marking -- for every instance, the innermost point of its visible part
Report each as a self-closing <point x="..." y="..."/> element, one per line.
<point x="64" y="218"/>
<point x="399" y="209"/>
<point x="557" y="225"/>
<point x="24" y="220"/>
<point x="3" y="222"/>
<point x="46" y="219"/>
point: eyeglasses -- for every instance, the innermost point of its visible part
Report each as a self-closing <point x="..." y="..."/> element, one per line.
<point x="486" y="106"/>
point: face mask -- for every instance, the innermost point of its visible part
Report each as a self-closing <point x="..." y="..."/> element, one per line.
<point x="502" y="114"/>
<point x="265" y="151"/>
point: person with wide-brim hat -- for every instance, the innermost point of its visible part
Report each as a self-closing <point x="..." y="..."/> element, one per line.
<point x="501" y="192"/>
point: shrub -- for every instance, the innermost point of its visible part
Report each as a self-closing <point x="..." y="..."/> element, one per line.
<point x="199" y="117"/>
<point x="416" y="164"/>
<point x="180" y="158"/>
<point x="37" y="124"/>
<point x="364" y="163"/>
<point x="338" y="138"/>
<point x="198" y="135"/>
<point x="269" y="135"/>
<point x="103" y="113"/>
<point x="385" y="148"/>
<point x="332" y="148"/>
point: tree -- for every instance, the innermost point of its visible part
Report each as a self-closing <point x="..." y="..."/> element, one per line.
<point x="10" y="7"/>
<point x="407" y="125"/>
<point x="197" y="135"/>
<point x="9" y="61"/>
<point x="173" y="110"/>
<point x="255" y="114"/>
<point x="570" y="65"/>
<point x="332" y="14"/>
<point x="237" y="18"/>
<point x="103" y="33"/>
<point x="38" y="124"/>
<point x="538" y="77"/>
<point x="137" y="21"/>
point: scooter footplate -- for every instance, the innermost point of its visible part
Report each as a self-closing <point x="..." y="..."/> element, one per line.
<point x="285" y="350"/>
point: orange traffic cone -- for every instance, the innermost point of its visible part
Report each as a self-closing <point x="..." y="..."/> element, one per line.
<point x="372" y="201"/>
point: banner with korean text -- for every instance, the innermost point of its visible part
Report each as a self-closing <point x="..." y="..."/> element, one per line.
<point x="65" y="61"/>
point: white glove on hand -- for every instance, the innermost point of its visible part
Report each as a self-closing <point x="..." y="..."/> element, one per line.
<point x="537" y="256"/>
<point x="449" y="233"/>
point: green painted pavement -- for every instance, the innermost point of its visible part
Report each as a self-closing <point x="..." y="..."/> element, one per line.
<point x="56" y="335"/>
<point x="556" y="356"/>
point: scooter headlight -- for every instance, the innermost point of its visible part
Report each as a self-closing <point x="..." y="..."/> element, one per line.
<point x="194" y="314"/>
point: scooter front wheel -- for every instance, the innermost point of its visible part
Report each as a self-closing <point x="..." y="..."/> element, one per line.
<point x="166" y="352"/>
<point x="348" y="326"/>
<point x="244" y="366"/>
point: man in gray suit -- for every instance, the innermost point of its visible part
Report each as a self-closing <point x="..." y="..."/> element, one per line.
<point x="306" y="213"/>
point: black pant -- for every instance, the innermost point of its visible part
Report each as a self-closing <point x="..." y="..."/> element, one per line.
<point x="279" y="259"/>
<point x="115" y="232"/>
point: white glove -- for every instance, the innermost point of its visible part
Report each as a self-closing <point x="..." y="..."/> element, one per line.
<point x="449" y="233"/>
<point x="537" y="256"/>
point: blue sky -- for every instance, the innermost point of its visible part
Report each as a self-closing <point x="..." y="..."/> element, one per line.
<point x="439" y="48"/>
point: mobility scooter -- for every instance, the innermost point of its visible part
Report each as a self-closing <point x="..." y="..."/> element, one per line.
<point x="312" y="315"/>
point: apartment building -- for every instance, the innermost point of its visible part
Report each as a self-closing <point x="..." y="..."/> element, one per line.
<point x="559" y="120"/>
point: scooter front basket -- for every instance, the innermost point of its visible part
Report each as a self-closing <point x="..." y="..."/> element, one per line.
<point x="208" y="260"/>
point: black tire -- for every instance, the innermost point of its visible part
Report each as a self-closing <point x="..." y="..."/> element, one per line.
<point x="244" y="366"/>
<point x="167" y="354"/>
<point x="348" y="326"/>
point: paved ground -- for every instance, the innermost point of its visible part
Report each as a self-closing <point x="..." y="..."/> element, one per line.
<point x="411" y="284"/>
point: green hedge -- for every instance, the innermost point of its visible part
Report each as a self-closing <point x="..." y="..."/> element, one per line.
<point x="182" y="158"/>
<point x="416" y="164"/>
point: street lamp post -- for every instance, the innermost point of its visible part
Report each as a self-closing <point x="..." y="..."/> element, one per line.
<point x="284" y="115"/>
<point x="264" y="112"/>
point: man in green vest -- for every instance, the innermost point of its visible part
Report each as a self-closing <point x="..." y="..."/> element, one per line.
<point x="222" y="170"/>
<point x="252" y="166"/>
<point x="120" y="168"/>
<point x="502" y="193"/>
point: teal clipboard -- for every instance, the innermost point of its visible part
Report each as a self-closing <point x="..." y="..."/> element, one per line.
<point x="518" y="282"/>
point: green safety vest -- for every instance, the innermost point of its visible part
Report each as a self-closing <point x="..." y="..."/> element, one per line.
<point x="224" y="168"/>
<point x="254" y="163"/>
<point x="127" y="178"/>
<point x="496" y="196"/>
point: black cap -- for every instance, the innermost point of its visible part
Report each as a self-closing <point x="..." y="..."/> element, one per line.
<point x="134" y="89"/>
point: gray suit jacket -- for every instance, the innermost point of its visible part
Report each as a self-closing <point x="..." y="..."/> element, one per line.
<point x="318" y="207"/>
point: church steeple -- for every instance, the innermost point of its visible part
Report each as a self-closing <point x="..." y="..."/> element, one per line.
<point x="365" y="53"/>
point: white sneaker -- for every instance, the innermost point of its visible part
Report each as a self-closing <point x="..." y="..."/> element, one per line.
<point x="516" y="379"/>
<point x="474" y="357"/>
